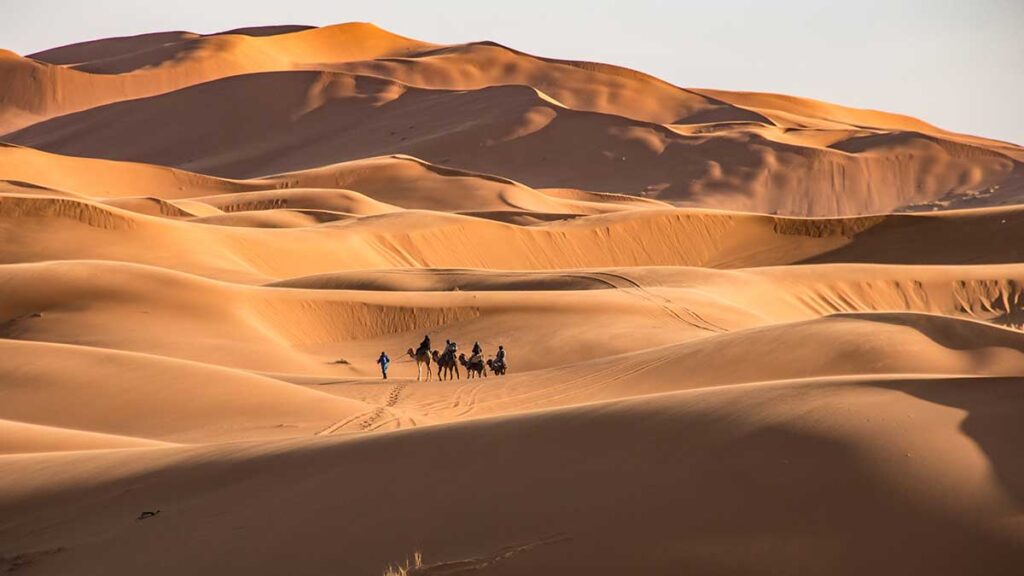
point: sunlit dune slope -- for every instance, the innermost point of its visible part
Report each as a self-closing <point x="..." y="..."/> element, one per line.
<point x="21" y="438"/>
<point x="401" y="181"/>
<point x="303" y="325"/>
<point x="33" y="228"/>
<point x="105" y="391"/>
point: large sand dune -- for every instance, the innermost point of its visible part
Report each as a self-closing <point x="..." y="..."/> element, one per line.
<point x="252" y="125"/>
<point x="747" y="333"/>
<point x="295" y="98"/>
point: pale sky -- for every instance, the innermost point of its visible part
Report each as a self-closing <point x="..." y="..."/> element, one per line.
<point x="955" y="63"/>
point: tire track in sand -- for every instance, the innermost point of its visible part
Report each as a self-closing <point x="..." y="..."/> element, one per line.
<point x="634" y="287"/>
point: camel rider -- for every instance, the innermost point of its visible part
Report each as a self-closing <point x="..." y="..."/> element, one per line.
<point x="499" y="358"/>
<point x="451" y="349"/>
<point x="424" y="346"/>
<point x="477" y="353"/>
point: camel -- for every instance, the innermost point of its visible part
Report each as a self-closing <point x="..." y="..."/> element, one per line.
<point x="422" y="359"/>
<point x="447" y="363"/>
<point x="498" y="369"/>
<point x="474" y="366"/>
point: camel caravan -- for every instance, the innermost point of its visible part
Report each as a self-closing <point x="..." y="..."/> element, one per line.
<point x="449" y="360"/>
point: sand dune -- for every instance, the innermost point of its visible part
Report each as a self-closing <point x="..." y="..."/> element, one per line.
<point x="403" y="181"/>
<point x="104" y="179"/>
<point x="102" y="72"/>
<point x="796" y="112"/>
<point x="315" y="320"/>
<point x="747" y="333"/>
<point x="32" y="229"/>
<point x="858" y="345"/>
<point x="910" y="474"/>
<point x="150" y="397"/>
<point x="611" y="129"/>
<point x="580" y="85"/>
<point x="20" y="438"/>
<point x="78" y="53"/>
<point x="297" y="120"/>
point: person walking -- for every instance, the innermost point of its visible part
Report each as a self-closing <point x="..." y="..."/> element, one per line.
<point x="384" y="362"/>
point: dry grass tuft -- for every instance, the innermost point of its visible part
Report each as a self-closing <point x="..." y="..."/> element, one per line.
<point x="408" y="569"/>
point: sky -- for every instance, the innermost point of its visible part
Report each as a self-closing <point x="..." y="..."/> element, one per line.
<point x="957" y="64"/>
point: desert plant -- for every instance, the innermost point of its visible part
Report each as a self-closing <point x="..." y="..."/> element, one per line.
<point x="409" y="568"/>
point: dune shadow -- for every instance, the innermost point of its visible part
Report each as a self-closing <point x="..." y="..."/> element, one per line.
<point x="948" y="332"/>
<point x="640" y="487"/>
<point x="982" y="237"/>
<point x="994" y="406"/>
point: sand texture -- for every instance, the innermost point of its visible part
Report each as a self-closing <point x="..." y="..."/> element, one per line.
<point x="747" y="333"/>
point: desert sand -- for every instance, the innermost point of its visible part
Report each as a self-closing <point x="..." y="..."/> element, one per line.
<point x="748" y="333"/>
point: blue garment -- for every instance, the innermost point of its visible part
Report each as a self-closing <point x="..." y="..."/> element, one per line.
<point x="384" y="361"/>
